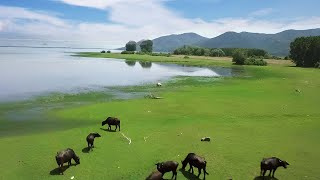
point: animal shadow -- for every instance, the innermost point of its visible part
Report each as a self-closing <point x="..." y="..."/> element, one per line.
<point x="265" y="178"/>
<point x="56" y="171"/>
<point x="86" y="150"/>
<point x="189" y="175"/>
<point x="104" y="129"/>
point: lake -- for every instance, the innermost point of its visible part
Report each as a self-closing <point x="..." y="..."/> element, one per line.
<point x="31" y="71"/>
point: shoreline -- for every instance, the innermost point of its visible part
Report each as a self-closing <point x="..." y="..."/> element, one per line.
<point x="179" y="59"/>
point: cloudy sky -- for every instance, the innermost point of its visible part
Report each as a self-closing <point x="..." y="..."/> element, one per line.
<point x="114" y="22"/>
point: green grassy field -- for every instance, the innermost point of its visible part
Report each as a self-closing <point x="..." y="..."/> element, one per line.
<point x="271" y="111"/>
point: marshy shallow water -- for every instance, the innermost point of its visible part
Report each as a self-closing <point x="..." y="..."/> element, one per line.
<point x="27" y="72"/>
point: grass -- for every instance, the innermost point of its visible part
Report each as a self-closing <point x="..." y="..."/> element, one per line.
<point x="179" y="59"/>
<point x="272" y="111"/>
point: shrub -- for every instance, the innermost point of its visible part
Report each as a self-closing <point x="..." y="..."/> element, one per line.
<point x="238" y="58"/>
<point x="161" y="54"/>
<point x="127" y="52"/>
<point x="103" y="51"/>
<point x="141" y="53"/>
<point x="253" y="61"/>
<point x="108" y="51"/>
<point x="186" y="57"/>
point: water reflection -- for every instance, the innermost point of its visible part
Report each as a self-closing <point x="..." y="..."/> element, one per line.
<point x="145" y="64"/>
<point x="47" y="70"/>
<point x="130" y="62"/>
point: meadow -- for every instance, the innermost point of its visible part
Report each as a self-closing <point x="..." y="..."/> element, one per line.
<point x="268" y="111"/>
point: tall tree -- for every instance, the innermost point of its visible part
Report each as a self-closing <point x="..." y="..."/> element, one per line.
<point x="305" y="51"/>
<point x="131" y="46"/>
<point x="146" y="46"/>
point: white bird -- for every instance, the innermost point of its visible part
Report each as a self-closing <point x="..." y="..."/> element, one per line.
<point x="159" y="84"/>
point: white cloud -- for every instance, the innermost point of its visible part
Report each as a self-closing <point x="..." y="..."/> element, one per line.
<point x="7" y="12"/>
<point x="99" y="4"/>
<point x="262" y="12"/>
<point x="133" y="20"/>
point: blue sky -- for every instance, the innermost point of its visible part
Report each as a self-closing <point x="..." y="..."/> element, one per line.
<point x="117" y="21"/>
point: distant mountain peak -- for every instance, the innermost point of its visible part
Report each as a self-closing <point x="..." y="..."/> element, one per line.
<point x="276" y="44"/>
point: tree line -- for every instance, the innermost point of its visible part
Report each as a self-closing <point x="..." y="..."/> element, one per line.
<point x="218" y="52"/>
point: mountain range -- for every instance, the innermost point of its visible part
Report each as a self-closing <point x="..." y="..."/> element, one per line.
<point x="275" y="44"/>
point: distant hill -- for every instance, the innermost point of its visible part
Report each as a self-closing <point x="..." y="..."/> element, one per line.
<point x="171" y="42"/>
<point x="275" y="44"/>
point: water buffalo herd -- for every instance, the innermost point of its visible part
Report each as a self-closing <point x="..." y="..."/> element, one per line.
<point x="65" y="156"/>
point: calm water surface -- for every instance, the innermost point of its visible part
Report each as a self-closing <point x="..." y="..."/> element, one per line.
<point x="26" y="72"/>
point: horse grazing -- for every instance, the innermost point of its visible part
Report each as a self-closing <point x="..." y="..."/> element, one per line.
<point x="155" y="175"/>
<point x="168" y="166"/>
<point x="90" y="139"/>
<point x="196" y="161"/>
<point x="271" y="164"/>
<point x="112" y="121"/>
<point x="66" y="156"/>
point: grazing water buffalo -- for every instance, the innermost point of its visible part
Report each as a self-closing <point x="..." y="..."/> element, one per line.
<point x="155" y="175"/>
<point x="112" y="121"/>
<point x="196" y="161"/>
<point x="168" y="166"/>
<point x="90" y="139"/>
<point x="271" y="164"/>
<point x="66" y="156"/>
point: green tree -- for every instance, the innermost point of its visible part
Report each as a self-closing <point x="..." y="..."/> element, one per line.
<point x="239" y="57"/>
<point x="146" y="46"/>
<point x="305" y="51"/>
<point x="131" y="46"/>
<point x="217" y="53"/>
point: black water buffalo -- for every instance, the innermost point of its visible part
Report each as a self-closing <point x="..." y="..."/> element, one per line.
<point x="168" y="166"/>
<point x="155" y="175"/>
<point x="66" y="156"/>
<point x="90" y="139"/>
<point x="271" y="164"/>
<point x="112" y="121"/>
<point x="196" y="161"/>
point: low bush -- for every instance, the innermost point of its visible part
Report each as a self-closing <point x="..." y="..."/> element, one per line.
<point x="161" y="54"/>
<point x="256" y="62"/>
<point x="127" y="52"/>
